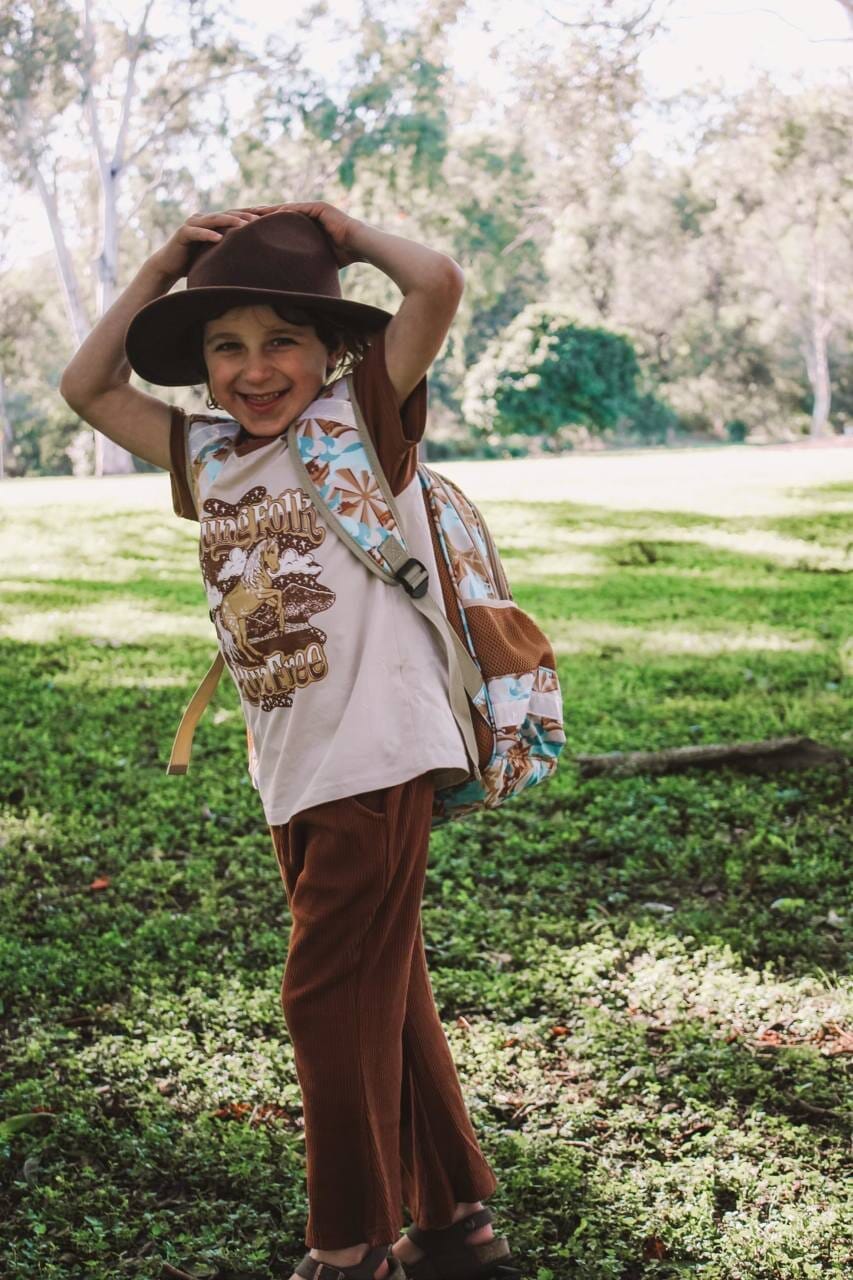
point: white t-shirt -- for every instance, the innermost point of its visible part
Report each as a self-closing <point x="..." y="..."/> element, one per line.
<point x="343" y="683"/>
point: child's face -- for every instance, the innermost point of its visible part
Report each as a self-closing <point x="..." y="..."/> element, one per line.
<point x="250" y="352"/>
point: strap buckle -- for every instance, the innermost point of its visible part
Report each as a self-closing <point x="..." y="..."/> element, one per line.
<point x="325" y="1268"/>
<point x="419" y="582"/>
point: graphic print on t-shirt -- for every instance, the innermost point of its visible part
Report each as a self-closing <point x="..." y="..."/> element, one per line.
<point x="262" y="584"/>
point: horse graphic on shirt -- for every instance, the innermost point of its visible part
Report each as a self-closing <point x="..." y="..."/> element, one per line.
<point x="253" y="590"/>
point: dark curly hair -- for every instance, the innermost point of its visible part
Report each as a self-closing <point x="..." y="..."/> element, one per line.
<point x="332" y="334"/>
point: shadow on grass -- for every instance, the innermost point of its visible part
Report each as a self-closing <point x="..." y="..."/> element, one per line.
<point x="91" y="728"/>
<point x="176" y="1119"/>
<point x="685" y="585"/>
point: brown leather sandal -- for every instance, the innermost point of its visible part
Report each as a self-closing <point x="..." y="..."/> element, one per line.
<point x="448" y="1257"/>
<point x="313" y="1269"/>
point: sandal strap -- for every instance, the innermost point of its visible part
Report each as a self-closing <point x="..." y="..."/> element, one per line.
<point x="438" y="1240"/>
<point x="314" y="1269"/>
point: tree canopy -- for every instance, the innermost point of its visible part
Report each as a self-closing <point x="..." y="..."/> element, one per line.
<point x="716" y="276"/>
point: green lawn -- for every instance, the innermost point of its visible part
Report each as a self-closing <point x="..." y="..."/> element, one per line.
<point x="642" y="981"/>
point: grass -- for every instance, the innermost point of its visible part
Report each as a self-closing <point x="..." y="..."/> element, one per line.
<point x="642" y="981"/>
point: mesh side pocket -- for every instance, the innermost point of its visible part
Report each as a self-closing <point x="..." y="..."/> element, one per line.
<point x="506" y="639"/>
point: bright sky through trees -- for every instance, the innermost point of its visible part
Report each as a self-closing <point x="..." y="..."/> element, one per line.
<point x="717" y="40"/>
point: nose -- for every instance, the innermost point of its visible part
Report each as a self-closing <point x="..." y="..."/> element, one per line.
<point x="257" y="367"/>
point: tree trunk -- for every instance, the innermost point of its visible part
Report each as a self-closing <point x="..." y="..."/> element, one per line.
<point x="817" y="356"/>
<point x="110" y="458"/>
<point x="820" y="379"/>
<point x="5" y="428"/>
<point x="770" y="756"/>
<point x="74" y="304"/>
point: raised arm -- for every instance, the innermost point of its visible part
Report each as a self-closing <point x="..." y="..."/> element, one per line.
<point x="96" y="382"/>
<point x="432" y="283"/>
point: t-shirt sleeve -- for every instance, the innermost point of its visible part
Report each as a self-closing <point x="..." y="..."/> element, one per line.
<point x="182" y="494"/>
<point x="395" y="431"/>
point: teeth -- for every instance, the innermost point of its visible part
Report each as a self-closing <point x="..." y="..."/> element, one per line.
<point x="270" y="396"/>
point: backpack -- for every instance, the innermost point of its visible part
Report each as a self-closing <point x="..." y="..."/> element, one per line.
<point x="503" y="682"/>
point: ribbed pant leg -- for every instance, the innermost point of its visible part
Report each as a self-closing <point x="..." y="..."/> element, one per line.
<point x="354" y="880"/>
<point x="385" y="1120"/>
<point x="441" y="1159"/>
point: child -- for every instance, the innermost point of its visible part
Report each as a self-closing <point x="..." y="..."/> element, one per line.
<point x="349" y="722"/>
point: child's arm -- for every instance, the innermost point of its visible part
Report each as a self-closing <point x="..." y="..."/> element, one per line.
<point x="432" y="283"/>
<point x="96" y="382"/>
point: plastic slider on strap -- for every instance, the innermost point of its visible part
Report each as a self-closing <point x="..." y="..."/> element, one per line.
<point x="419" y="582"/>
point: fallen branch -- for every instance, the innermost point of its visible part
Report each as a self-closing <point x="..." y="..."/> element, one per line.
<point x="810" y="1106"/>
<point x="771" y="756"/>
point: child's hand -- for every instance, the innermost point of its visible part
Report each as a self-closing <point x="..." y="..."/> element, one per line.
<point x="174" y="258"/>
<point x="339" y="226"/>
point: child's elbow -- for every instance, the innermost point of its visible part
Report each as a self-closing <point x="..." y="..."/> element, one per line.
<point x="453" y="279"/>
<point x="456" y="274"/>
<point x="66" y="390"/>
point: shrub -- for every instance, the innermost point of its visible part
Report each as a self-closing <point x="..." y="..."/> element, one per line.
<point x="544" y="372"/>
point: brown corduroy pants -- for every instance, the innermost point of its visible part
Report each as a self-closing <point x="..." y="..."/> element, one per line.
<point x="385" y="1120"/>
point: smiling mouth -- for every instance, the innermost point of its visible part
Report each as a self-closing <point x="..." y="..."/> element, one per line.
<point x="267" y="398"/>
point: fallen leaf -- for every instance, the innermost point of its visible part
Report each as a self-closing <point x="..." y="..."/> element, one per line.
<point x="17" y="1124"/>
<point x="653" y="1247"/>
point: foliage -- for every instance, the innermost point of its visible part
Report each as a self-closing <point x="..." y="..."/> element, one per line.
<point x="41" y="57"/>
<point x="725" y="262"/>
<point x="545" y="371"/>
<point x="641" y="979"/>
<point x="42" y="436"/>
<point x="32" y="343"/>
<point x="397" y="148"/>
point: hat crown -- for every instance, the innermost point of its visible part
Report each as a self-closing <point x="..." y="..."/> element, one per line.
<point x="280" y="259"/>
<point x="286" y="251"/>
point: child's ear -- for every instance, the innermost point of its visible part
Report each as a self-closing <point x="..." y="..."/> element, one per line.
<point x="335" y="358"/>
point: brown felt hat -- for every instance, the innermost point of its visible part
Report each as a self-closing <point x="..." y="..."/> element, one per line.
<point x="279" y="257"/>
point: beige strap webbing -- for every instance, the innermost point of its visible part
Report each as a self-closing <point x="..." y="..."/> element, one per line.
<point x="463" y="672"/>
<point x="179" y="760"/>
<point x="464" y="675"/>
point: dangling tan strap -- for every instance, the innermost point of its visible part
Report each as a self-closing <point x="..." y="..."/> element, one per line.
<point x="179" y="761"/>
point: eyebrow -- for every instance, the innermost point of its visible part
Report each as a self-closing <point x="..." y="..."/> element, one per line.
<point x="228" y="333"/>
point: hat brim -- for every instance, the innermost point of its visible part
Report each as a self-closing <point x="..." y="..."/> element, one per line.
<point x="162" y="342"/>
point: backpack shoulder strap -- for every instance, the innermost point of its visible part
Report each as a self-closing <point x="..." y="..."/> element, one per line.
<point x="381" y="546"/>
<point x="179" y="761"/>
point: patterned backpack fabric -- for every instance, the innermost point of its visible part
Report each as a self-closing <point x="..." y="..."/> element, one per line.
<point x="503" y="681"/>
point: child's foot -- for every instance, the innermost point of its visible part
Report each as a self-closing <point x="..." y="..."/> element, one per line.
<point x="407" y="1251"/>
<point x="347" y="1258"/>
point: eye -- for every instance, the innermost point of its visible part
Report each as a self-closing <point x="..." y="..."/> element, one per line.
<point x="226" y="343"/>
